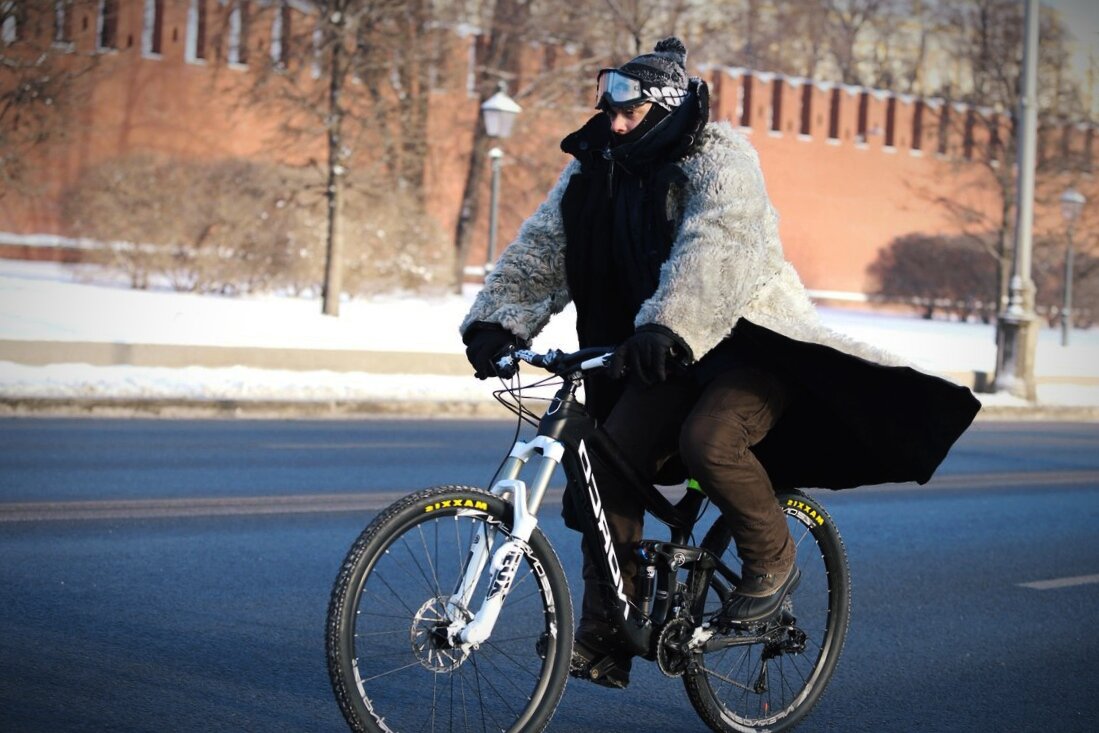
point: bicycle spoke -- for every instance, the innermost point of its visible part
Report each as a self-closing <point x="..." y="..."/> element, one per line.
<point x="804" y="533"/>
<point x="427" y="685"/>
<point x="397" y="595"/>
<point x="727" y="680"/>
<point x="773" y="683"/>
<point x="369" y="634"/>
<point x="488" y="680"/>
<point x="508" y="677"/>
<point x="428" y="556"/>
<point x="413" y="663"/>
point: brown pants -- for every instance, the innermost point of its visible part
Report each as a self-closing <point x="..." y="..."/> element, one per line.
<point x="712" y="432"/>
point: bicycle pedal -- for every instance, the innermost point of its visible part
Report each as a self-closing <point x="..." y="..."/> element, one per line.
<point x="602" y="668"/>
<point x="604" y="672"/>
<point x="607" y="673"/>
<point x="579" y="666"/>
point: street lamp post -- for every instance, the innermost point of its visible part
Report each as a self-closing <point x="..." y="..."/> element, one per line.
<point x="499" y="112"/>
<point x="1072" y="205"/>
<point x="1016" y="335"/>
<point x="497" y="157"/>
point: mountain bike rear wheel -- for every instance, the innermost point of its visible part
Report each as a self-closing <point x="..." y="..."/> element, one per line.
<point x="777" y="672"/>
<point x="390" y="665"/>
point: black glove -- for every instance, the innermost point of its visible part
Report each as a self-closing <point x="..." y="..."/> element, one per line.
<point x="485" y="344"/>
<point x="646" y="355"/>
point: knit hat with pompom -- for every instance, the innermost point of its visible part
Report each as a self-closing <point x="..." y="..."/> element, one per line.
<point x="663" y="72"/>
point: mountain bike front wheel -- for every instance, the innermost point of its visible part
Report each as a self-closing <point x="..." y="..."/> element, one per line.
<point x="389" y="660"/>
<point x="768" y="677"/>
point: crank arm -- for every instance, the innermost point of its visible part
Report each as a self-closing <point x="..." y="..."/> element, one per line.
<point x="716" y="643"/>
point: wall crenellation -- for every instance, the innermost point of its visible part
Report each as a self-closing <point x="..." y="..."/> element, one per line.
<point x="874" y="119"/>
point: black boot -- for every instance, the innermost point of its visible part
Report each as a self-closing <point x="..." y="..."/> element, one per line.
<point x="598" y="657"/>
<point x="759" y="596"/>
<point x="597" y="654"/>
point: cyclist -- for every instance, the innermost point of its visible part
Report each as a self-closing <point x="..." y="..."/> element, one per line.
<point x="660" y="231"/>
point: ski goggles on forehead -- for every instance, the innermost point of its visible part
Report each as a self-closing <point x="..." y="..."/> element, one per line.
<point x="618" y="89"/>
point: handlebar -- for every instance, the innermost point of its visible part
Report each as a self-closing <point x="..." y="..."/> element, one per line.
<point x="556" y="362"/>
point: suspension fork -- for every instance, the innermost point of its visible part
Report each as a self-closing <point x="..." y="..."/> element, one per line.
<point x="547" y="454"/>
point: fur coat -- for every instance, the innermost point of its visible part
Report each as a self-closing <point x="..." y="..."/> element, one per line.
<point x="726" y="285"/>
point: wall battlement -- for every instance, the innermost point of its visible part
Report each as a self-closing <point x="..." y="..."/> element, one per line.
<point x="877" y="119"/>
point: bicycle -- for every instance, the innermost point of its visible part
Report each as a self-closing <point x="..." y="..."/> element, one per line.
<point x="452" y="608"/>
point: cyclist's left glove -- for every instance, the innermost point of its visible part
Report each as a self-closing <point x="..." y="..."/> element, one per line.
<point x="648" y="353"/>
<point x="485" y="343"/>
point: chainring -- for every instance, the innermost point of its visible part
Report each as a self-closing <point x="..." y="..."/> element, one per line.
<point x="672" y="656"/>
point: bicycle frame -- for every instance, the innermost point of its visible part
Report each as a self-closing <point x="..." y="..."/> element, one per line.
<point x="566" y="437"/>
<point x="760" y="674"/>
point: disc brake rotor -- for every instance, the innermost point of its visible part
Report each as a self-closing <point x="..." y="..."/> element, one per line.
<point x="430" y="636"/>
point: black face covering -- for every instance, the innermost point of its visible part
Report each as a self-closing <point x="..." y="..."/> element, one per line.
<point x="618" y="228"/>
<point x="655" y="114"/>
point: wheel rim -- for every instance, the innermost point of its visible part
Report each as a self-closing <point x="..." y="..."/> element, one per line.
<point x="405" y="677"/>
<point x="761" y="684"/>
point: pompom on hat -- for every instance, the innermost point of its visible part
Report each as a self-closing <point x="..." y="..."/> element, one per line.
<point x="663" y="70"/>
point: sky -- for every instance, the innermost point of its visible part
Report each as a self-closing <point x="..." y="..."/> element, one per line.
<point x="47" y="302"/>
<point x="1082" y="18"/>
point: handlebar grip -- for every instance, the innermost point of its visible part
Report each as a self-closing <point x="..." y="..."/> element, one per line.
<point x="553" y="360"/>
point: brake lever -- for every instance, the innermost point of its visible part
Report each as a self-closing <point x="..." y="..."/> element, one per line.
<point x="507" y="365"/>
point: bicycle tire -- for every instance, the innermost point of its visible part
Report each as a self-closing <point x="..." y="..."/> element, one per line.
<point x="385" y="672"/>
<point x="733" y="689"/>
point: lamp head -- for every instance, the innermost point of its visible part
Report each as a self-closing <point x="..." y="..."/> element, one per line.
<point x="500" y="112"/>
<point x="1072" y="204"/>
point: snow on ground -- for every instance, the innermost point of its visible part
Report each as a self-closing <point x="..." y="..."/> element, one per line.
<point x="47" y="302"/>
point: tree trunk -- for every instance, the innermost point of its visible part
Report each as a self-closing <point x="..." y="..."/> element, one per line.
<point x="471" y="204"/>
<point x="415" y="71"/>
<point x="333" y="265"/>
<point x="509" y="23"/>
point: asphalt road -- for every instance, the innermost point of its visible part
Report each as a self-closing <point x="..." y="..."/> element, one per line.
<point x="174" y="576"/>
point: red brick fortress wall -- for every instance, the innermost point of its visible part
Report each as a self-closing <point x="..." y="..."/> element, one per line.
<point x="843" y="172"/>
<point x="841" y="163"/>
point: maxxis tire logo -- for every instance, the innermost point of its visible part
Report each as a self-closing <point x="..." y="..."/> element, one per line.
<point x="803" y="512"/>
<point x="461" y="502"/>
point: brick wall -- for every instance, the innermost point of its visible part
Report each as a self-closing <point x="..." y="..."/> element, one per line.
<point x="841" y="191"/>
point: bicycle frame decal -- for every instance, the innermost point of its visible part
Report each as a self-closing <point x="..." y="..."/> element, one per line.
<point x="604" y="529"/>
<point x="459" y="503"/>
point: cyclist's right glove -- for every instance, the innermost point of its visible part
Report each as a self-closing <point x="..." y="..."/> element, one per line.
<point x="485" y="343"/>
<point x="648" y="354"/>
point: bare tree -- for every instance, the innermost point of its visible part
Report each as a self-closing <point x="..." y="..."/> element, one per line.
<point x="928" y="20"/>
<point x="633" y="17"/>
<point x="355" y="74"/>
<point x="749" y="33"/>
<point x="501" y="56"/>
<point x="39" y="67"/>
<point x="807" y="43"/>
<point x="795" y="37"/>
<point x="989" y="43"/>
<point x="848" y="20"/>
